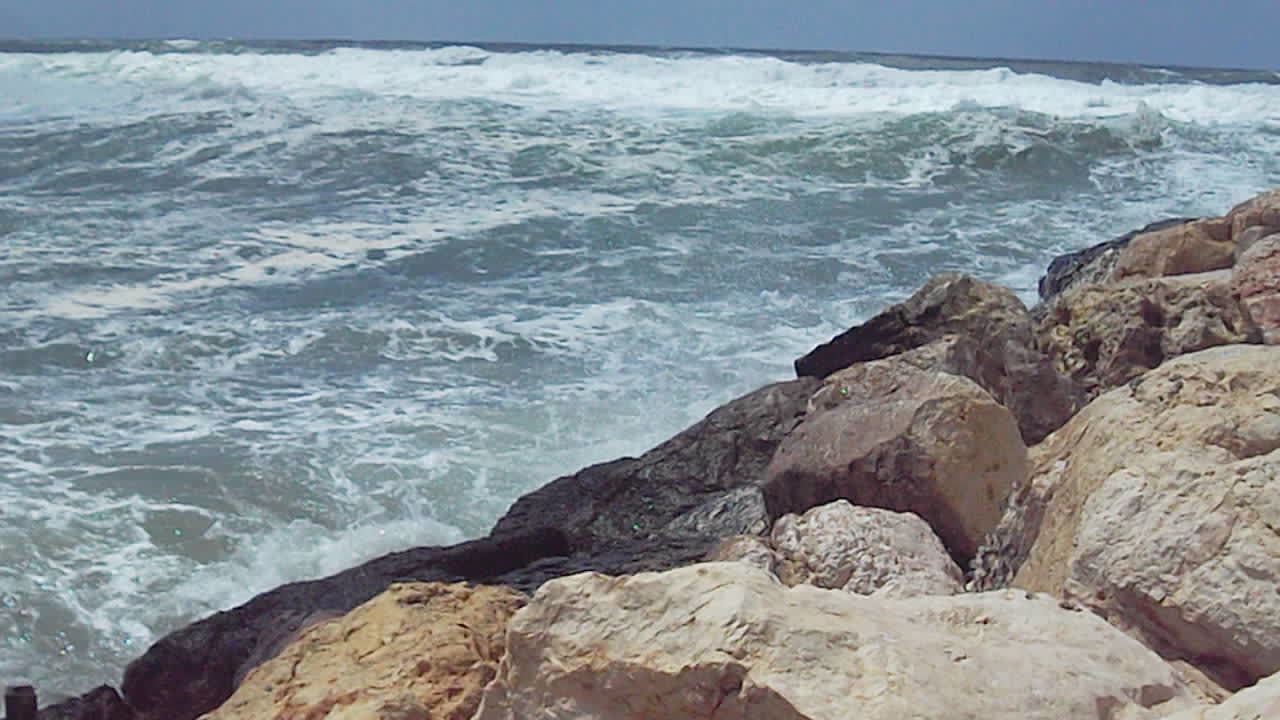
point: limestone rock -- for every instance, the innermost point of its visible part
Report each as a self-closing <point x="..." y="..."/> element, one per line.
<point x="996" y="348"/>
<point x="1259" y="702"/>
<point x="1159" y="509"/>
<point x="725" y="640"/>
<point x="887" y="434"/>
<point x="1102" y="336"/>
<point x="1194" y="247"/>
<point x="418" y="650"/>
<point x="863" y="550"/>
<point x="869" y="551"/>
<point x="1262" y="211"/>
<point x="1251" y="236"/>
<point x="1256" y="281"/>
<point x="1093" y="264"/>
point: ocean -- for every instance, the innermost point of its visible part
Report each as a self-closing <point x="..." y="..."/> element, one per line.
<point x="268" y="310"/>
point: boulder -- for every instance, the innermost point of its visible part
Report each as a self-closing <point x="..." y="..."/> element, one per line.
<point x="1093" y="264"/>
<point x="726" y="640"/>
<point x="1258" y="702"/>
<point x="418" y="650"/>
<point x="1259" y="211"/>
<point x="1194" y="247"/>
<point x="1256" y="281"/>
<point x="1251" y="236"/>
<point x="989" y="339"/>
<point x="1159" y="505"/>
<point x="101" y="703"/>
<point x="869" y="551"/>
<point x="1102" y="336"/>
<point x="887" y="434"/>
<point x="699" y="486"/>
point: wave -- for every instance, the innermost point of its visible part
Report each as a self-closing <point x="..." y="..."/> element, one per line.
<point x="44" y="83"/>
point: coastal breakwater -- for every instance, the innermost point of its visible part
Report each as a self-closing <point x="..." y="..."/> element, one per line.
<point x="960" y="508"/>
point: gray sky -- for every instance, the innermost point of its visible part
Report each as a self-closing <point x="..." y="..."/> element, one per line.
<point x="1234" y="33"/>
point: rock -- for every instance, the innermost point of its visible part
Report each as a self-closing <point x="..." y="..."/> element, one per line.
<point x="418" y="650"/>
<point x="1102" y="336"/>
<point x="1023" y="380"/>
<point x="1160" y="508"/>
<point x="1259" y="702"/>
<point x="1093" y="264"/>
<point x="726" y="640"/>
<point x="700" y="485"/>
<point x="1259" y="211"/>
<point x="1256" y="281"/>
<point x="193" y="670"/>
<point x="101" y="703"/>
<point x="887" y="434"/>
<point x="1194" y="247"/>
<point x="1251" y="236"/>
<point x="996" y="348"/>
<point x="863" y="550"/>
<point x="869" y="551"/>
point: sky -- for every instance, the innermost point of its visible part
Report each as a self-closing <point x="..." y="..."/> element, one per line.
<point x="1209" y="33"/>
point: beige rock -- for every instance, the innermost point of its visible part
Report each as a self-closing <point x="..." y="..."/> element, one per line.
<point x="1194" y="247"/>
<point x="887" y="434"/>
<point x="863" y="550"/>
<point x="870" y="551"/>
<point x="1251" y="236"/>
<point x="1262" y="210"/>
<point x="989" y="340"/>
<point x="726" y="640"/>
<point x="1259" y="702"/>
<point x="1102" y="336"/>
<point x="1160" y="505"/>
<point x="1256" y="281"/>
<point x="418" y="650"/>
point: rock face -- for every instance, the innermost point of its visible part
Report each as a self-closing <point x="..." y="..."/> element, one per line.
<point x="1194" y="247"/>
<point x="1102" y="336"/>
<point x="725" y="640"/>
<point x="418" y="650"/>
<point x="1093" y="264"/>
<point x="1260" y="702"/>
<point x="700" y="485"/>
<point x="862" y="550"/>
<point x="1161" y="504"/>
<point x="887" y="434"/>
<point x="1259" y="211"/>
<point x="1256" y="281"/>
<point x="990" y="341"/>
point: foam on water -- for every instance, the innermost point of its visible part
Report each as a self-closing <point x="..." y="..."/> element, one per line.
<point x="265" y="313"/>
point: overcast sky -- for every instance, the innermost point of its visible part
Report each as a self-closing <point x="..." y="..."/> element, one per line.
<point x="1222" y="33"/>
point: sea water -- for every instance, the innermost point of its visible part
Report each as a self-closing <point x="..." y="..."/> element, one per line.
<point x="270" y="310"/>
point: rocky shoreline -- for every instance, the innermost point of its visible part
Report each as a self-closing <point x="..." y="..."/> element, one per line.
<point x="960" y="508"/>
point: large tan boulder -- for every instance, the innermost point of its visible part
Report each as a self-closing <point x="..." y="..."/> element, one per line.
<point x="1159" y="506"/>
<point x="989" y="340"/>
<point x="1255" y="279"/>
<point x="1259" y="702"/>
<point x="726" y="640"/>
<point x="1194" y="247"/>
<point x="418" y="650"/>
<point x="863" y="550"/>
<point x="1259" y="211"/>
<point x="890" y="435"/>
<point x="1102" y="336"/>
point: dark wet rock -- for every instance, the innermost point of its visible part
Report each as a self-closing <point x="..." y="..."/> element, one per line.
<point x="1093" y="264"/>
<point x="101" y="703"/>
<point x="697" y="485"/>
<point x="988" y="339"/>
